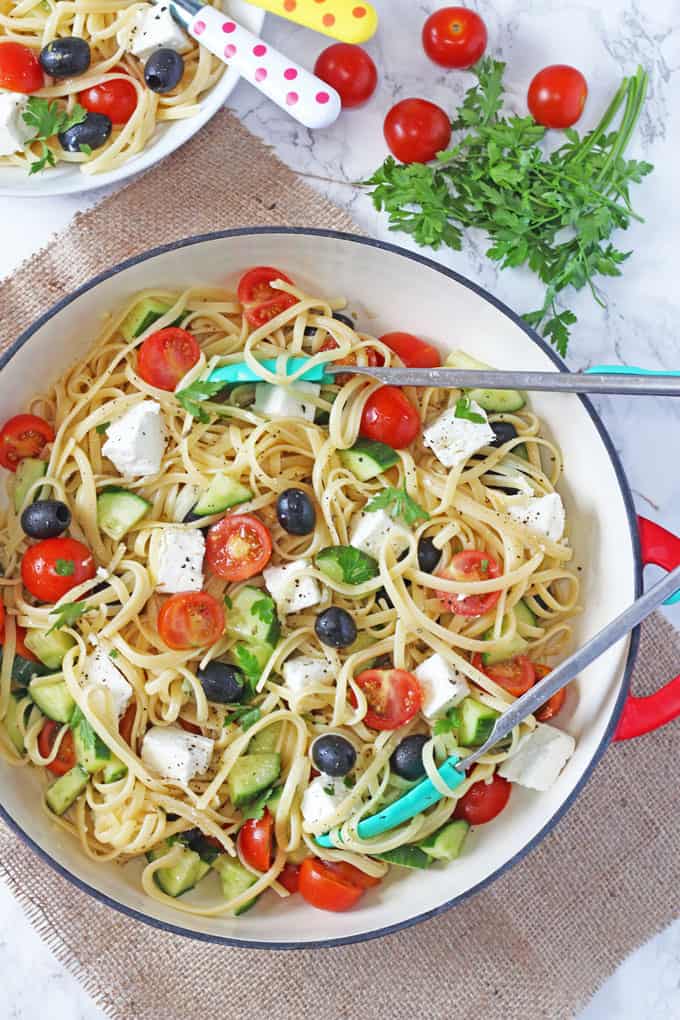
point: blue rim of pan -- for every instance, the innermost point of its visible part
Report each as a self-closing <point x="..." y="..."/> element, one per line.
<point x="634" y="641"/>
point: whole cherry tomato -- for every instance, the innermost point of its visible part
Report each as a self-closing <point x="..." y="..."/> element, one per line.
<point x="116" y="99"/>
<point x="484" y="801"/>
<point x="454" y="37"/>
<point x="20" y="70"/>
<point x="350" y="71"/>
<point x="51" y="568"/>
<point x="416" y="130"/>
<point x="255" y="841"/>
<point x="390" y="417"/>
<point x="557" y="95"/>
<point x="414" y="352"/>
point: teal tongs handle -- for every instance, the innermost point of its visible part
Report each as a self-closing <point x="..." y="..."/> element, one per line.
<point x="628" y="370"/>
<point x="420" y="798"/>
<point x="239" y="372"/>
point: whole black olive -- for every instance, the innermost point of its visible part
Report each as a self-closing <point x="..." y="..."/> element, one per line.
<point x="296" y="512"/>
<point x="344" y="318"/>
<point x="46" y="518"/>
<point x="333" y="754"/>
<point x="335" y="627"/>
<point x="65" y="58"/>
<point x="428" y="555"/>
<point x="163" y="70"/>
<point x="407" y="758"/>
<point x="222" y="682"/>
<point x="504" y="431"/>
<point x="92" y="133"/>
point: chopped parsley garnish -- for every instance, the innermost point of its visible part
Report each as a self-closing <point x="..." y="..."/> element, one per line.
<point x="464" y="410"/>
<point x="113" y="654"/>
<point x="67" y="614"/>
<point x="244" y="716"/>
<point x="448" y="723"/>
<point x="330" y="790"/>
<point x="264" y="609"/>
<point x="356" y="566"/>
<point x="192" y="396"/>
<point x="398" y="503"/>
<point x="64" y="568"/>
<point x="49" y="119"/>
<point x="228" y="603"/>
<point x="102" y="427"/>
<point x="248" y="664"/>
<point x="484" y="566"/>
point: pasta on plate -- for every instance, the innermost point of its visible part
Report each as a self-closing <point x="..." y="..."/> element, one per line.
<point x="237" y="617"/>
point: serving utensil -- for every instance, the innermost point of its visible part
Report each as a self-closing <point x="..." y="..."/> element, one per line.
<point x="351" y="21"/>
<point x="425" y="794"/>
<point x="296" y="90"/>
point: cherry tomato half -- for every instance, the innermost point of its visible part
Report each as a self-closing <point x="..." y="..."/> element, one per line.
<point x="262" y="302"/>
<point x="20" y="634"/>
<point x="390" y="417"/>
<point x="20" y="70"/>
<point x="51" y="568"/>
<point x="454" y="37"/>
<point x="191" y="619"/>
<point x="350" y="71"/>
<point x="414" y="352"/>
<point x="470" y="565"/>
<point x="373" y="358"/>
<point x="189" y="727"/>
<point x="166" y="356"/>
<point x="333" y="886"/>
<point x="255" y="841"/>
<point x="416" y="130"/>
<point x="116" y="99"/>
<point x="290" y="877"/>
<point x="515" y="676"/>
<point x="66" y="755"/>
<point x="483" y="801"/>
<point x="394" y="697"/>
<point x="24" y="435"/>
<point x="238" y="547"/>
<point x="126" y="723"/>
<point x="554" y="704"/>
<point x="557" y="95"/>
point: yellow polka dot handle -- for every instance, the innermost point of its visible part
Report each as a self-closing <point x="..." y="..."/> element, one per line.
<point x="350" y="21"/>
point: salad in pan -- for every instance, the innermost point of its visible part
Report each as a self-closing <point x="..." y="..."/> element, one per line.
<point x="235" y="618"/>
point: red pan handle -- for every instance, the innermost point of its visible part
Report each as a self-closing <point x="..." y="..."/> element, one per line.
<point x="642" y="715"/>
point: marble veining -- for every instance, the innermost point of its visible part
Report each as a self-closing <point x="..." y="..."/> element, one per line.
<point x="638" y="327"/>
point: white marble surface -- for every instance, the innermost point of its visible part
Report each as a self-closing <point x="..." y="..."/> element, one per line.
<point x="639" y="326"/>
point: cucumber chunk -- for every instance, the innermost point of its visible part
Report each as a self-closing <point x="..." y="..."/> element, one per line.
<point x="489" y="400"/>
<point x="446" y="843"/>
<point x="406" y="857"/>
<point x="235" y="879"/>
<point x="251" y="774"/>
<point x="12" y="724"/>
<point x="266" y="740"/>
<point x="118" y="510"/>
<point x="222" y="493"/>
<point x="508" y="647"/>
<point x="114" y="771"/>
<point x="368" y="458"/>
<point x="252" y="616"/>
<point x="182" y="876"/>
<point x="53" y="700"/>
<point x="346" y="565"/>
<point x="476" y="722"/>
<point x="143" y="315"/>
<point x="67" y="789"/>
<point x="50" y="648"/>
<point x="29" y="470"/>
<point x="23" y="670"/>
<point x="91" y="751"/>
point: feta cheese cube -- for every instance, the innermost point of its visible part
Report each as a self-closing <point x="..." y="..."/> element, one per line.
<point x="541" y="513"/>
<point x="14" y="131"/>
<point x="291" y="591"/>
<point x="179" y="560"/>
<point x="302" y="672"/>
<point x="321" y="800"/>
<point x="284" y="402"/>
<point x="135" y="441"/>
<point x="153" y="28"/>
<point x="452" y="439"/>
<point x="102" y="672"/>
<point x="442" y="685"/>
<point x="539" y="759"/>
<point x="375" y="529"/>
<point x="175" y="754"/>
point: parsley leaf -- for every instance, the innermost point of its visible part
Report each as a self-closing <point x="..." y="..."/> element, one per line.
<point x="228" y="602"/>
<point x="448" y="723"/>
<point x="48" y="118"/>
<point x="102" y="427"/>
<point x="64" y="568"/>
<point x="244" y="716"/>
<point x="264" y="609"/>
<point x="398" y="503"/>
<point x="464" y="410"/>
<point x="356" y="565"/>
<point x="191" y="397"/>
<point x="330" y="790"/>
<point x="249" y="665"/>
<point x="67" y="614"/>
<point x="256" y="807"/>
<point x="113" y="654"/>
<point x="86" y="149"/>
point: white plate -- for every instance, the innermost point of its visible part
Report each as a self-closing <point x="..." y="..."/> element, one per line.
<point x="66" y="179"/>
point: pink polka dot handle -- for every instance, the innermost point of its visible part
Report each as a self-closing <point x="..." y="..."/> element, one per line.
<point x="350" y="21"/>
<point x="296" y="90"/>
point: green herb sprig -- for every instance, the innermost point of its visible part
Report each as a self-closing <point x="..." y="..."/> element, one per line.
<point x="244" y="716"/>
<point x="464" y="410"/>
<point x="192" y="397"/>
<point x="48" y="119"/>
<point x="398" y="503"/>
<point x="68" y="613"/>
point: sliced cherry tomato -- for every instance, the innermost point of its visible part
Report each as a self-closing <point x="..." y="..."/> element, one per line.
<point x="350" y="71"/>
<point x="2" y="623"/>
<point x="515" y="676"/>
<point x="255" y="841"/>
<point x="390" y="417"/>
<point x="189" y="726"/>
<point x="290" y="877"/>
<point x="191" y="619"/>
<point x="166" y="356"/>
<point x="20" y="70"/>
<point x="262" y="302"/>
<point x="51" y="568"/>
<point x="21" y="648"/>
<point x="116" y="99"/>
<point x="557" y="95"/>
<point x="416" y="130"/>
<point x="238" y="547"/>
<point x="127" y="722"/>
<point x="454" y="37"/>
<point x="24" y="435"/>
<point x="483" y="801"/>
<point x="326" y="886"/>
<point x="351" y="874"/>
<point x="373" y="358"/>
<point x="470" y="565"/>
<point x="554" y="704"/>
<point x="394" y="697"/>
<point x="66" y="755"/>
<point x="414" y="352"/>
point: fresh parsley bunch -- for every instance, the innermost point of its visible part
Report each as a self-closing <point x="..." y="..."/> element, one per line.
<point x="553" y="213"/>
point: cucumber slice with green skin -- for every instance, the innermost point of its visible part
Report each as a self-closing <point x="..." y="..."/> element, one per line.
<point x="12" y="724"/>
<point x="23" y="670"/>
<point x="523" y="614"/>
<point x="251" y="774"/>
<point x="222" y="493"/>
<point x="67" y="789"/>
<point x="241" y="395"/>
<point x="509" y="647"/>
<point x="182" y="876"/>
<point x="368" y="458"/>
<point x="235" y="879"/>
<point x="119" y="510"/>
<point x="143" y="315"/>
<point x="53" y="700"/>
<point x="446" y="843"/>
<point x="346" y="565"/>
<point x="489" y="400"/>
<point x="50" y="648"/>
<point x="114" y="771"/>
<point x="29" y="470"/>
<point x="266" y="740"/>
<point x="252" y="616"/>
<point x="476" y="722"/>
<point x="406" y="857"/>
<point x="91" y="751"/>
